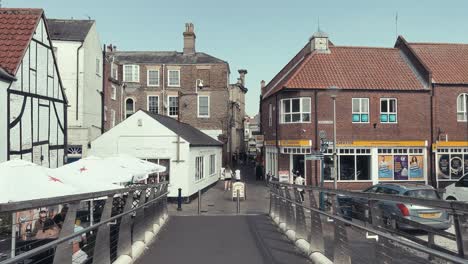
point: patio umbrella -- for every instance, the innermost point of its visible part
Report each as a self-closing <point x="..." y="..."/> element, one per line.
<point x="141" y="168"/>
<point x="22" y="180"/>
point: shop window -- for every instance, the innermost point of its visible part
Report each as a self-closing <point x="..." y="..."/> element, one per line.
<point x="360" y="110"/>
<point x="363" y="165"/>
<point x="347" y="168"/>
<point x="295" y="110"/>
<point x="396" y="164"/>
<point x="388" y="110"/>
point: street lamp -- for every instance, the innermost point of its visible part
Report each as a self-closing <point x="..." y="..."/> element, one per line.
<point x="333" y="90"/>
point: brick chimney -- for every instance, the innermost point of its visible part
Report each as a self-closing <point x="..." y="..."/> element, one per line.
<point x="242" y="73"/>
<point x="262" y="87"/>
<point x="189" y="39"/>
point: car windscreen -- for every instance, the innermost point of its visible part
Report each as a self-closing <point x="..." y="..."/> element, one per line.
<point x="427" y="194"/>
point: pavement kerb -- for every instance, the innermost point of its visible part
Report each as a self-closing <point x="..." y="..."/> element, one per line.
<point x="303" y="245"/>
<point x="139" y="247"/>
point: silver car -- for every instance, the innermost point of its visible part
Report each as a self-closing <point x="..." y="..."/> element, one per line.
<point x="436" y="218"/>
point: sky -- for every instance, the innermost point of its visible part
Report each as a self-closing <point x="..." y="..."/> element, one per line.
<point x="261" y="35"/>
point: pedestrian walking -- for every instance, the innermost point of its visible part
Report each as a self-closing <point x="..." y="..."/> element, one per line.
<point x="300" y="181"/>
<point x="227" y="178"/>
<point x="237" y="175"/>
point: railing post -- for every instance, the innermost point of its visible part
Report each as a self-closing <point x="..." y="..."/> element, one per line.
<point x="300" y="217"/>
<point x="124" y="243"/>
<point x="289" y="210"/>
<point x="341" y="250"/>
<point x="238" y="201"/>
<point x="316" y="234"/>
<point x="199" y="201"/>
<point x="461" y="233"/>
<point x="101" y="252"/>
<point x="64" y="251"/>
<point x="138" y="233"/>
<point x="179" y="200"/>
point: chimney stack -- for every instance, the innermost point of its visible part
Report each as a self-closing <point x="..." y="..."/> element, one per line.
<point x="189" y="39"/>
<point x="262" y="87"/>
<point x="242" y="73"/>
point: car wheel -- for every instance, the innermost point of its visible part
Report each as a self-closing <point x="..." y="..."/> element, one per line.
<point x="451" y="198"/>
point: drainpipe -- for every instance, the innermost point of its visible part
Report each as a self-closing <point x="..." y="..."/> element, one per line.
<point x="316" y="139"/>
<point x="164" y="92"/>
<point x="77" y="77"/>
<point x="432" y="157"/>
<point x="103" y="92"/>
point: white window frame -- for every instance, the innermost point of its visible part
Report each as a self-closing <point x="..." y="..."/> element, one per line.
<point x="135" y="73"/>
<point x="360" y="112"/>
<point x="112" y="111"/>
<point x="169" y="78"/>
<point x="270" y="115"/>
<point x="301" y="111"/>
<point x="148" y="103"/>
<point x="212" y="169"/>
<point x="169" y="106"/>
<point x="148" y="78"/>
<point x="463" y="108"/>
<point x="133" y="99"/>
<point x="388" y="112"/>
<point x="113" y="92"/>
<point x="198" y="106"/>
<point x="114" y="71"/>
<point x="199" y="168"/>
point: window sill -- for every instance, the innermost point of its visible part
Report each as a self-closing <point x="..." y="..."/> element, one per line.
<point x="203" y="117"/>
<point x="292" y="123"/>
<point x="173" y="86"/>
<point x="152" y="85"/>
<point x="364" y="123"/>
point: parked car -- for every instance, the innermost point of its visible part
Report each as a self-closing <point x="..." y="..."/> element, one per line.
<point x="436" y="218"/>
<point x="457" y="191"/>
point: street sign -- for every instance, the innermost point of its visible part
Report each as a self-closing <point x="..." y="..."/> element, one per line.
<point x="314" y="157"/>
<point x="238" y="186"/>
<point x="283" y="176"/>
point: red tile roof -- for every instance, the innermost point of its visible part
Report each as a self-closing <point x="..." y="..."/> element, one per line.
<point x="448" y="63"/>
<point x="17" y="27"/>
<point x="349" y="68"/>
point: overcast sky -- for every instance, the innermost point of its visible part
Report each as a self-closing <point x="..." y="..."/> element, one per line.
<point x="261" y="35"/>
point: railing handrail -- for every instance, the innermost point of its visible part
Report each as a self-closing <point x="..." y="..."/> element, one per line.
<point x="441" y="204"/>
<point x="44" y="202"/>
<point x="410" y="244"/>
<point x="54" y="243"/>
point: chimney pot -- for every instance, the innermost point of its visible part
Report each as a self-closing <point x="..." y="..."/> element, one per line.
<point x="242" y="73"/>
<point x="262" y="87"/>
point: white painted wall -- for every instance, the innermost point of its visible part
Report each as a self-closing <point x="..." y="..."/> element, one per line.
<point x="3" y="120"/>
<point x="152" y="140"/>
<point x="195" y="185"/>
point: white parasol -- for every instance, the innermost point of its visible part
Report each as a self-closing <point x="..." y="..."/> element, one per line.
<point x="141" y="168"/>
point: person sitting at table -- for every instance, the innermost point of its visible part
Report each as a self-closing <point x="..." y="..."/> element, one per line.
<point x="50" y="230"/>
<point x="39" y="224"/>
<point x="60" y="217"/>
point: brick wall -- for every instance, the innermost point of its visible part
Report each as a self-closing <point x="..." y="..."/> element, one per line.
<point x="109" y="103"/>
<point x="445" y="113"/>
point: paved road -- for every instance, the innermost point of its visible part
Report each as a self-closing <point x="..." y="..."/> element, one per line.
<point x="222" y="239"/>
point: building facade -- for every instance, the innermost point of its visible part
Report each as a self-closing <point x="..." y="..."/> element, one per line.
<point x="386" y="114"/>
<point x="33" y="116"/>
<point x="79" y="55"/>
<point x="237" y="94"/>
<point x="192" y="158"/>
<point x="190" y="86"/>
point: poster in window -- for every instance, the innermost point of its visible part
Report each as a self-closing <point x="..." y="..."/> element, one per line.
<point x="401" y="167"/>
<point x="444" y="166"/>
<point x="385" y="167"/>
<point x="465" y="163"/>
<point x="416" y="167"/>
<point x="456" y="166"/>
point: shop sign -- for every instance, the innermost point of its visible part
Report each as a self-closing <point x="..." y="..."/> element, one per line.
<point x="238" y="186"/>
<point x="283" y="176"/>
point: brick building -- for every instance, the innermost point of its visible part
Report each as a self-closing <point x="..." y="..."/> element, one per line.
<point x="190" y="86"/>
<point x="388" y="105"/>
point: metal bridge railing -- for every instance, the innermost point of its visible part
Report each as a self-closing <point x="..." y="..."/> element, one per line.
<point x="356" y="227"/>
<point x="98" y="227"/>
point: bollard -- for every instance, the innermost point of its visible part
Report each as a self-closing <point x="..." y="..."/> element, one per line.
<point x="238" y="201"/>
<point x="179" y="200"/>
<point x="199" y="201"/>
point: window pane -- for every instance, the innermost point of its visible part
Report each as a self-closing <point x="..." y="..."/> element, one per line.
<point x="392" y="118"/>
<point x="363" y="164"/>
<point x="365" y="106"/>
<point x="356" y="105"/>
<point x="456" y="166"/>
<point x="328" y="167"/>
<point x="173" y="106"/>
<point x="286" y="106"/>
<point x="383" y="118"/>
<point x="153" y="77"/>
<point x="306" y="105"/>
<point x="384" y="106"/>
<point x="128" y="73"/>
<point x="393" y="106"/>
<point x="296" y="117"/>
<point x="461" y="116"/>
<point x="365" y="118"/>
<point x="347" y="168"/>
<point x="174" y="78"/>
<point x="203" y="106"/>
<point x="305" y="117"/>
<point x="287" y="118"/>
<point x="153" y="104"/>
<point x="296" y="105"/>
<point x="356" y="118"/>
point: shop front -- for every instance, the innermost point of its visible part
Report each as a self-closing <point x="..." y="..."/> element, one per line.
<point x="365" y="163"/>
<point x="451" y="160"/>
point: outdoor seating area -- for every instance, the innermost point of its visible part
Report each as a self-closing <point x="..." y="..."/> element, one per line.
<point x="25" y="230"/>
